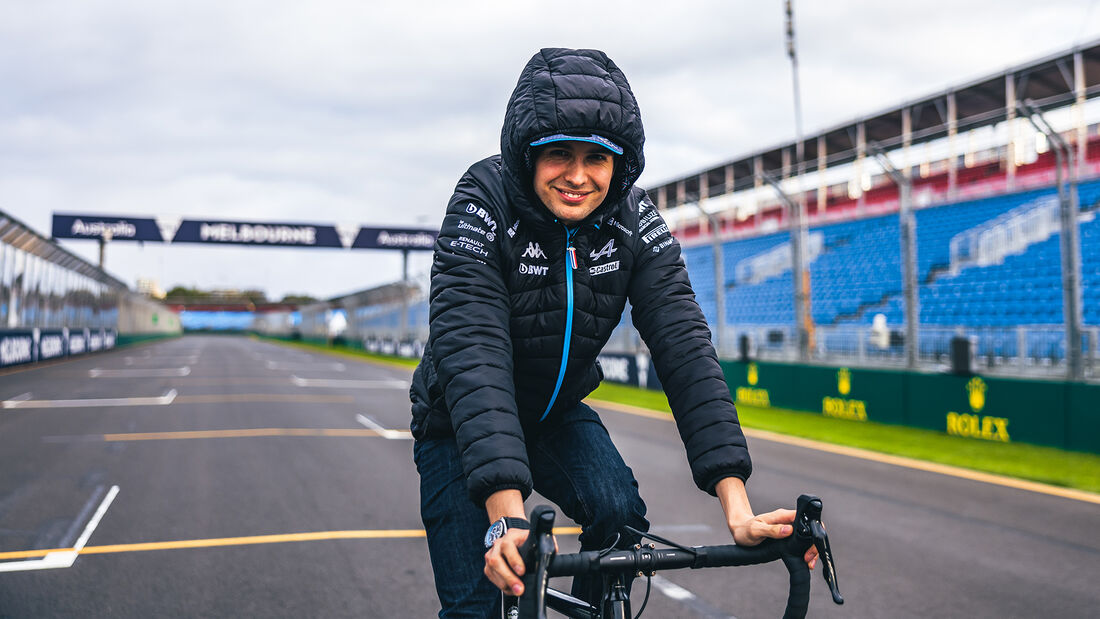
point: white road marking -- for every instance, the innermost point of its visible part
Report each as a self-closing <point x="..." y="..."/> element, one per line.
<point x="142" y="373"/>
<point x="163" y="400"/>
<point x="339" y="367"/>
<point x="21" y="397"/>
<point x="339" y="383"/>
<point x="672" y="589"/>
<point x="383" y="432"/>
<point x="185" y="360"/>
<point x="64" y="558"/>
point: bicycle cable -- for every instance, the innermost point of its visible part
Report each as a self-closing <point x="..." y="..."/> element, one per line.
<point x="648" y="584"/>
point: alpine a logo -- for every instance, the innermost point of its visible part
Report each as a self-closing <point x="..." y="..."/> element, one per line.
<point x="534" y="251"/>
<point x="606" y="251"/>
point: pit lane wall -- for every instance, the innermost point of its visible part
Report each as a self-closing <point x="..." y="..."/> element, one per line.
<point x="1053" y="413"/>
<point x="19" y="347"/>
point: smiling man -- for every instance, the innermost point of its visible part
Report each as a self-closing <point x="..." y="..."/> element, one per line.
<point x="540" y="250"/>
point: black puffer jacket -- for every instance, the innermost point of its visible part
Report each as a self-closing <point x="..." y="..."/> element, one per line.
<point x="508" y="310"/>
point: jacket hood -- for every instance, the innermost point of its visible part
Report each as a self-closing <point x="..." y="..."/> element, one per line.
<point x="572" y="91"/>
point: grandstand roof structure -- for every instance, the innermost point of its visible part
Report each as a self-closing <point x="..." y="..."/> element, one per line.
<point x="1055" y="81"/>
<point x="23" y="237"/>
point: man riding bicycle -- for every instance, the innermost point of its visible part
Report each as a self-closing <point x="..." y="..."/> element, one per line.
<point x="539" y="252"/>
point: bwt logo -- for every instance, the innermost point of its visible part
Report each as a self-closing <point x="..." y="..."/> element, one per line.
<point x="530" y="269"/>
<point x="474" y="209"/>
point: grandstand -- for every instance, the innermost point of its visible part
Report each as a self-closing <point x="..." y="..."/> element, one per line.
<point x="988" y="240"/>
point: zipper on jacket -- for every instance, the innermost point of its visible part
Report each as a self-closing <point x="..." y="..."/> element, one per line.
<point x="570" y="266"/>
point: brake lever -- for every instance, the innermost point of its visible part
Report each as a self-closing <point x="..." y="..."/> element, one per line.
<point x="808" y="528"/>
<point x="537" y="551"/>
<point x="825" y="552"/>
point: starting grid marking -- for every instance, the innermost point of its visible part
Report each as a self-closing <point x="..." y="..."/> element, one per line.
<point x="58" y="558"/>
<point x="339" y="383"/>
<point x="173" y="397"/>
<point x="140" y="373"/>
<point x="163" y="400"/>
<point x="239" y="433"/>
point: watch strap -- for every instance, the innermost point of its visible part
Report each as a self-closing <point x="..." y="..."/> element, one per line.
<point x="516" y="523"/>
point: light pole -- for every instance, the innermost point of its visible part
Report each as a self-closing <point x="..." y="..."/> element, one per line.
<point x="797" y="208"/>
<point x="1070" y="243"/>
<point x="908" y="231"/>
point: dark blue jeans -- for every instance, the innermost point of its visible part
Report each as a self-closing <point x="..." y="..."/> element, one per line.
<point x="573" y="463"/>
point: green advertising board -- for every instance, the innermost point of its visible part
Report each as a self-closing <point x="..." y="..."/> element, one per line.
<point x="844" y="393"/>
<point x="1054" y="413"/>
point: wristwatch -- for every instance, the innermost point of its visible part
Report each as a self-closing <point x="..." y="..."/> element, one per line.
<point x="500" y="527"/>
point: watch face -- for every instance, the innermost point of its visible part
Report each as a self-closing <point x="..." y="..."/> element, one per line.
<point x="494" y="533"/>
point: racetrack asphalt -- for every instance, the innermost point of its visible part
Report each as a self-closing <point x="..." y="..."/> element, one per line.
<point x="255" y="479"/>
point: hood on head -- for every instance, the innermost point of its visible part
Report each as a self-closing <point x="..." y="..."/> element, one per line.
<point x="570" y="91"/>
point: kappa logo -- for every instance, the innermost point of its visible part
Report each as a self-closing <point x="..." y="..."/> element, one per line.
<point x="533" y="251"/>
<point x="606" y="251"/>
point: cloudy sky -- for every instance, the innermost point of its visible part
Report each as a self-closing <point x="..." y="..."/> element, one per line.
<point x="368" y="112"/>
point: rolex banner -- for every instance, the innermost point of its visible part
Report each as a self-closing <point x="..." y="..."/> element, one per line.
<point x="981" y="408"/>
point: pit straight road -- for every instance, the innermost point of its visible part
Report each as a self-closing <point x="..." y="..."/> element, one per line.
<point x="226" y="476"/>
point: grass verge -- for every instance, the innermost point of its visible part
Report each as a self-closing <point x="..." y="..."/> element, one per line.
<point x="344" y="351"/>
<point x="1047" y="465"/>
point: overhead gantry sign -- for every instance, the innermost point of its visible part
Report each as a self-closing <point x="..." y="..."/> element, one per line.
<point x="179" y="230"/>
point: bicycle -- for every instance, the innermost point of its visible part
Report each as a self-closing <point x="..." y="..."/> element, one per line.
<point x="620" y="567"/>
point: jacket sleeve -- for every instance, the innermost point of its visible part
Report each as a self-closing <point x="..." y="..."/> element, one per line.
<point x="472" y="351"/>
<point x="667" y="316"/>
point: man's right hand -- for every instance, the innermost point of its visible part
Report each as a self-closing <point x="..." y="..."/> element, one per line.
<point x="503" y="564"/>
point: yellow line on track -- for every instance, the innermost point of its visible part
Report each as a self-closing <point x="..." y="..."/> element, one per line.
<point x="874" y="456"/>
<point x="262" y="397"/>
<point x="244" y="541"/>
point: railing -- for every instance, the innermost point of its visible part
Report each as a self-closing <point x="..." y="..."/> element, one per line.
<point x="1011" y="233"/>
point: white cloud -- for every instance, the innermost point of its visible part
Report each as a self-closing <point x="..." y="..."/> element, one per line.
<point x="368" y="112"/>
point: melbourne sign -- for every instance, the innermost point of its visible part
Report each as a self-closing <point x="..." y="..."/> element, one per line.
<point x="166" y="229"/>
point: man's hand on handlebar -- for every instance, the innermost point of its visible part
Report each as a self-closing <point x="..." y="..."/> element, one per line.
<point x="777" y="524"/>
<point x="503" y="564"/>
<point x="749" y="529"/>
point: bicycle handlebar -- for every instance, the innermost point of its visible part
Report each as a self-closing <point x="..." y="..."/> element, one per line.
<point x="543" y="563"/>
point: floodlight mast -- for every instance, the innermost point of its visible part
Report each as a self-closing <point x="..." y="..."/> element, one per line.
<point x="719" y="275"/>
<point x="798" y="232"/>
<point x="1070" y="242"/>
<point x="797" y="209"/>
<point x="908" y="232"/>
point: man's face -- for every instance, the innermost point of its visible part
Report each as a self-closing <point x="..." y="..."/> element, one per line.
<point x="572" y="178"/>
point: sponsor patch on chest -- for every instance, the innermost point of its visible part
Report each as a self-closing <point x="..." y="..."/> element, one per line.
<point x="600" y="269"/>
<point x="532" y="269"/>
